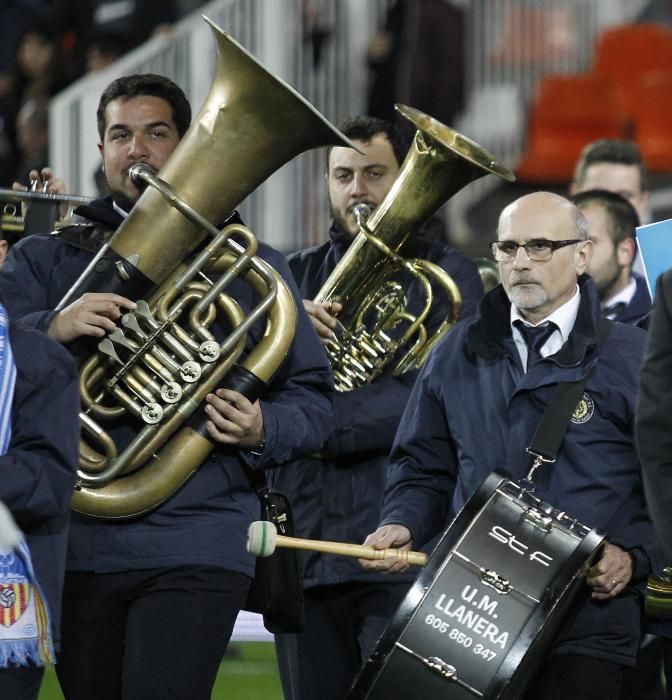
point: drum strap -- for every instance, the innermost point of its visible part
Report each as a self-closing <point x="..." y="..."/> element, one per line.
<point x="555" y="421"/>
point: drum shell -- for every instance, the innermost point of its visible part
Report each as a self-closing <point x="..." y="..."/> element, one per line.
<point x="450" y="613"/>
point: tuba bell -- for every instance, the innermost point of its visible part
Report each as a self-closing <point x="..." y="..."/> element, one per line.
<point x="158" y="365"/>
<point x="380" y="329"/>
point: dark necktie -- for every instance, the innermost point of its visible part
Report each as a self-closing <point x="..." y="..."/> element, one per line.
<point x="614" y="311"/>
<point x="535" y="337"/>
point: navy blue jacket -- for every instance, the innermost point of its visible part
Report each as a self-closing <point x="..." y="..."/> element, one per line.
<point x="337" y="496"/>
<point x="37" y="474"/>
<point x="474" y="410"/>
<point x="639" y="306"/>
<point x="206" y="520"/>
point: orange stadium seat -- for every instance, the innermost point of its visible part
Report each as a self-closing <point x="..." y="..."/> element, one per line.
<point x="627" y="54"/>
<point x="569" y="111"/>
<point x="652" y="122"/>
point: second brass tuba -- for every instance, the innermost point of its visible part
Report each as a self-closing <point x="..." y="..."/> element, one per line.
<point x="440" y="162"/>
<point x="157" y="367"/>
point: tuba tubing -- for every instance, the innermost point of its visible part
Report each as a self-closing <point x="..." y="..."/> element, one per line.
<point x="180" y="457"/>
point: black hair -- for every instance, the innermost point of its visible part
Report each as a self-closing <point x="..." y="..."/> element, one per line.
<point x="142" y="84"/>
<point x="618" y="151"/>
<point x="364" y="128"/>
<point x="622" y="215"/>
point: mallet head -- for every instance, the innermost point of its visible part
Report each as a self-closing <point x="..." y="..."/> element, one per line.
<point x="261" y="538"/>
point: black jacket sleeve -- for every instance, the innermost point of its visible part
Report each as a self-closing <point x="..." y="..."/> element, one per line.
<point x="654" y="413"/>
<point x="38" y="472"/>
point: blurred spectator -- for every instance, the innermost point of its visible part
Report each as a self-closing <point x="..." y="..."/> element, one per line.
<point x="131" y="21"/>
<point x="417" y="59"/>
<point x="32" y="137"/>
<point x="39" y="66"/>
<point x="315" y="32"/>
<point x="659" y="11"/>
<point x="102" y="50"/>
<point x="15" y="17"/>
<point x="615" y="165"/>
<point x="37" y="73"/>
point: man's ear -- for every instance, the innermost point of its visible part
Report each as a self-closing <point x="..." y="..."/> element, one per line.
<point x="625" y="252"/>
<point x="584" y="252"/>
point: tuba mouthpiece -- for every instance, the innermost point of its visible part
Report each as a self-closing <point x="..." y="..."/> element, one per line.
<point x="361" y="212"/>
<point x="136" y="172"/>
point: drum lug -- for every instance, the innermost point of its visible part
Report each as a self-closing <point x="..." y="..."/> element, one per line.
<point x="538" y="519"/>
<point x="495" y="581"/>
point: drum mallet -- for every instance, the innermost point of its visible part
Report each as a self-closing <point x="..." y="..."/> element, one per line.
<point x="263" y="538"/>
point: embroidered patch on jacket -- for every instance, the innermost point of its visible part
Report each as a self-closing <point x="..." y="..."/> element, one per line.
<point x="584" y="410"/>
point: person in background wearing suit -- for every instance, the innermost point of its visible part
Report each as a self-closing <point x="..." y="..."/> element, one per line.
<point x="612" y="221"/>
<point x="654" y="413"/>
<point x="615" y="165"/>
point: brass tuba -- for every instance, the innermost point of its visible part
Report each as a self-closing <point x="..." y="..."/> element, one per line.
<point x="440" y="162"/>
<point x="658" y="600"/>
<point x="157" y="367"/>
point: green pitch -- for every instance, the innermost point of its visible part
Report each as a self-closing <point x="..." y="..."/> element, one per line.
<point x="248" y="672"/>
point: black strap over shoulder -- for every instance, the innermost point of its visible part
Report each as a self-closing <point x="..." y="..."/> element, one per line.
<point x="86" y="236"/>
<point x="555" y="421"/>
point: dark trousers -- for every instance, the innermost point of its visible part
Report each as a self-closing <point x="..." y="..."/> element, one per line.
<point x="21" y="682"/>
<point x="645" y="681"/>
<point x="576" y="677"/>
<point x="343" y="624"/>
<point x="138" y="635"/>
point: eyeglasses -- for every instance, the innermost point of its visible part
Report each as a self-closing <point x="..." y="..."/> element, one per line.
<point x="538" y="249"/>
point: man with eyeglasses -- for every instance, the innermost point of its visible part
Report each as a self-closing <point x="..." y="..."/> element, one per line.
<point x="446" y="446"/>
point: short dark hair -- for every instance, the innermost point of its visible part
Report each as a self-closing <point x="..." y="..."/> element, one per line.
<point x="364" y="128"/>
<point x="622" y="215"/>
<point x="142" y="84"/>
<point x="619" y="151"/>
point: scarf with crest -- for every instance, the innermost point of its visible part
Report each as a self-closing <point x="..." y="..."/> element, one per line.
<point x="24" y="618"/>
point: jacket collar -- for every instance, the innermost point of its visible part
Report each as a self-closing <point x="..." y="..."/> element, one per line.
<point x="100" y="211"/>
<point x="489" y="336"/>
<point x="339" y="238"/>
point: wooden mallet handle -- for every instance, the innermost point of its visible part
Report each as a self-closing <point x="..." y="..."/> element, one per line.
<point x="263" y="539"/>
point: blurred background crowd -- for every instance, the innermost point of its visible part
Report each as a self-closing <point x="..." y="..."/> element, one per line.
<point x="47" y="44"/>
<point x="533" y="81"/>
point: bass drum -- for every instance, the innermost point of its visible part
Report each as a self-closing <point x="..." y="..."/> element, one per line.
<point x="484" y="609"/>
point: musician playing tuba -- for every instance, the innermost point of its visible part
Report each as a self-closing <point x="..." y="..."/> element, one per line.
<point x="150" y="601"/>
<point x="336" y="494"/>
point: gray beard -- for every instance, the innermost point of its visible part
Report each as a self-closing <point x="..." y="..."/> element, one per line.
<point x="528" y="300"/>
